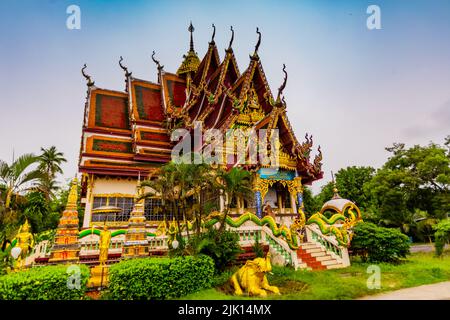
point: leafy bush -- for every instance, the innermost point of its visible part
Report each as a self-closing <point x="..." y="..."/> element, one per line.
<point x="223" y="247"/>
<point x="258" y="249"/>
<point x="43" y="283"/>
<point x="6" y="261"/>
<point x="441" y="236"/>
<point x="378" y="244"/>
<point x="160" y="278"/>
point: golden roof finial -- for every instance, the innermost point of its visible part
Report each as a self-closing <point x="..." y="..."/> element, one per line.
<point x="72" y="199"/>
<point x="191" y="30"/>
<point x="335" y="189"/>
<point x="87" y="77"/>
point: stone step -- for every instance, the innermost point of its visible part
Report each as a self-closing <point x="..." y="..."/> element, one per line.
<point x="309" y="245"/>
<point x="335" y="266"/>
<point x="329" y="262"/>
<point x="303" y="265"/>
<point x="312" y="250"/>
<point x="325" y="258"/>
<point x="319" y="254"/>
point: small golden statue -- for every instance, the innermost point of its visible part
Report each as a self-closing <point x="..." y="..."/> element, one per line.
<point x="100" y="273"/>
<point x="25" y="242"/>
<point x="105" y="241"/>
<point x="252" y="278"/>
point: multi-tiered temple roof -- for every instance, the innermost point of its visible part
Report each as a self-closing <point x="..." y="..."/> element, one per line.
<point x="128" y="133"/>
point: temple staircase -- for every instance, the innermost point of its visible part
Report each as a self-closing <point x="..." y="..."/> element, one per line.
<point x="316" y="258"/>
<point x="319" y="252"/>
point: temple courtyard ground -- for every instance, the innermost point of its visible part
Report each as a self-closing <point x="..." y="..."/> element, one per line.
<point x="419" y="269"/>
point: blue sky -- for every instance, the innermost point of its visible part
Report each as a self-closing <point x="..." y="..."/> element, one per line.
<point x="356" y="90"/>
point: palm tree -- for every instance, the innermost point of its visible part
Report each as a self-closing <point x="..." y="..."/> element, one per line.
<point x="50" y="161"/>
<point x="192" y="178"/>
<point x="176" y="184"/>
<point x="47" y="186"/>
<point x="233" y="183"/>
<point x="14" y="177"/>
<point x="165" y="187"/>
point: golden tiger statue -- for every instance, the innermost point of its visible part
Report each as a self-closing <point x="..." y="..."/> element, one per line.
<point x="252" y="278"/>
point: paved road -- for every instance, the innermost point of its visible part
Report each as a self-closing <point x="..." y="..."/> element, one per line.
<point x="437" y="291"/>
<point x="424" y="247"/>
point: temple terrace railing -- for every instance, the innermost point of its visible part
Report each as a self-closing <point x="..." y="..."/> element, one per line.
<point x="329" y="243"/>
<point x="248" y="235"/>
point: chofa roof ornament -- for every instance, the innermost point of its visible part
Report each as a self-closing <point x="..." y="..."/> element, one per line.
<point x="232" y="38"/>
<point x="127" y="73"/>
<point x="283" y="85"/>
<point x="258" y="43"/>
<point x="160" y="67"/>
<point x="213" y="35"/>
<point x="86" y="76"/>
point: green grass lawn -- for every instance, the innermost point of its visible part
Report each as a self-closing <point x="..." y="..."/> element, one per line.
<point x="349" y="283"/>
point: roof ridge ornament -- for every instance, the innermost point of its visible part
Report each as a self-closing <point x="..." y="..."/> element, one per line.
<point x="191" y="30"/>
<point x="90" y="83"/>
<point x="127" y="73"/>
<point x="232" y="38"/>
<point x="258" y="43"/>
<point x="213" y="35"/>
<point x="160" y="67"/>
<point x="283" y="85"/>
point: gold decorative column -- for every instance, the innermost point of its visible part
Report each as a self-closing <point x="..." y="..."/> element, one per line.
<point x="66" y="247"/>
<point x="136" y="243"/>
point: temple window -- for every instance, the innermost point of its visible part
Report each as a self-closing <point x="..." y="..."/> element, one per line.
<point x="99" y="202"/>
<point x="125" y="204"/>
<point x="153" y="210"/>
<point x="287" y="200"/>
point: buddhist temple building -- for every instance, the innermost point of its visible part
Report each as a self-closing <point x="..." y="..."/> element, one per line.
<point x="127" y="134"/>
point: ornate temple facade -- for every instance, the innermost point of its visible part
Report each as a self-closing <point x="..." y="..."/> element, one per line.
<point x="126" y="135"/>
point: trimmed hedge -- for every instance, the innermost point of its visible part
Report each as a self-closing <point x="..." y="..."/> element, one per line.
<point x="43" y="283"/>
<point x="159" y="278"/>
<point x="378" y="244"/>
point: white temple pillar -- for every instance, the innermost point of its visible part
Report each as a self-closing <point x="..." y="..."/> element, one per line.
<point x="88" y="206"/>
<point x="221" y="202"/>
<point x="280" y="202"/>
<point x="87" y="213"/>
<point x="293" y="204"/>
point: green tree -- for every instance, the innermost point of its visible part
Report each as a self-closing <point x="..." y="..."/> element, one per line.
<point x="325" y="194"/>
<point x="442" y="236"/>
<point x="350" y="183"/>
<point x="412" y="179"/>
<point x="310" y="202"/>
